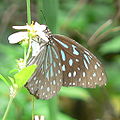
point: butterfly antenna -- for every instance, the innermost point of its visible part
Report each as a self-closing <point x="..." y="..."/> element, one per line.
<point x="43" y="16"/>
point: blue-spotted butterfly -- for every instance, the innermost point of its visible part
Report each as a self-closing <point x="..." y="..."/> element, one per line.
<point x="61" y="62"/>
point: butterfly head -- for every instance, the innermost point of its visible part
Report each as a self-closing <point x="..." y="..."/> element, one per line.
<point x="41" y="38"/>
<point x="43" y="33"/>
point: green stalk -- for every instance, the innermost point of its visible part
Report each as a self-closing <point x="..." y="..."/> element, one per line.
<point x="28" y="12"/>
<point x="25" y="51"/>
<point x="29" y="47"/>
<point x="25" y="59"/>
<point x="8" y="107"/>
<point x="33" y="107"/>
<point x="29" y="22"/>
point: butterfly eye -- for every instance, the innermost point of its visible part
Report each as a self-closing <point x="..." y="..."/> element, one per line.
<point x="46" y="30"/>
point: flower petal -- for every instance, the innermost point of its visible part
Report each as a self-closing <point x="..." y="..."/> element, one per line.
<point x="40" y="31"/>
<point x="17" y="37"/>
<point x="39" y="27"/>
<point x="25" y="27"/>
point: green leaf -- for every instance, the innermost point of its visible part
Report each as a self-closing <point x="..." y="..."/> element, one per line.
<point x="22" y="77"/>
<point x="75" y="92"/>
<point x="4" y="79"/>
<point x="13" y="71"/>
<point x="111" y="46"/>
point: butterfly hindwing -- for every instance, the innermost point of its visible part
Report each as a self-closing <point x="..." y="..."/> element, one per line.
<point x="80" y="67"/>
<point x="47" y="78"/>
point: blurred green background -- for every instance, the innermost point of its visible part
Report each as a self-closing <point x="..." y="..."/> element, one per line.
<point x="78" y="19"/>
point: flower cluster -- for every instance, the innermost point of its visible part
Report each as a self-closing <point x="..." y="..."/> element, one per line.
<point x="32" y="31"/>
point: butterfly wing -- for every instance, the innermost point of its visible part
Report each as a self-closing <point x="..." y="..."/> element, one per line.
<point x="80" y="67"/>
<point x="47" y="78"/>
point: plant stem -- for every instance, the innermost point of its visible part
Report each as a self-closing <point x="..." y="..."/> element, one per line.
<point x="25" y="51"/>
<point x="99" y="30"/>
<point x="8" y="107"/>
<point x="29" y="49"/>
<point x="33" y="107"/>
<point x="29" y="22"/>
<point x="28" y="12"/>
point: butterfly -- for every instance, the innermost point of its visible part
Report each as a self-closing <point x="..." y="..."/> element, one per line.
<point x="61" y="61"/>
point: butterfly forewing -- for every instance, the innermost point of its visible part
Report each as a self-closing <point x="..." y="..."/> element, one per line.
<point x="80" y="67"/>
<point x="47" y="79"/>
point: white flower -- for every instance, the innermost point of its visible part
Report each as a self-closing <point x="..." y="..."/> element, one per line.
<point x="17" y="37"/>
<point x="33" y="29"/>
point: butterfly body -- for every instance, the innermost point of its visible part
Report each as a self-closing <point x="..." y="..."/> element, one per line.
<point x="62" y="62"/>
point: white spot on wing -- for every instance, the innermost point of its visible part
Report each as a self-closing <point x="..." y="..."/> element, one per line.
<point x="83" y="84"/>
<point x="63" y="68"/>
<point x="36" y="82"/>
<point x="34" y="78"/>
<point x="41" y="87"/>
<point x="94" y="74"/>
<point x="78" y="68"/>
<point x="88" y="83"/>
<point x="100" y="79"/>
<point x="73" y="83"/>
<point x="96" y="67"/>
<point x="86" y="52"/>
<point x="98" y="64"/>
<point x="63" y="44"/>
<point x="63" y="55"/>
<point x="54" y="64"/>
<point x="59" y="64"/>
<point x="74" y="73"/>
<point x="70" y="83"/>
<point x="75" y="52"/>
<point x="85" y="64"/>
<point x="48" y="89"/>
<point x="58" y="71"/>
<point x="79" y="79"/>
<point x="69" y="74"/>
<point x="83" y="74"/>
<point x="87" y="59"/>
<point x="70" y="62"/>
<point x="54" y="82"/>
<point x="102" y="74"/>
<point x="77" y="60"/>
<point x="60" y="80"/>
